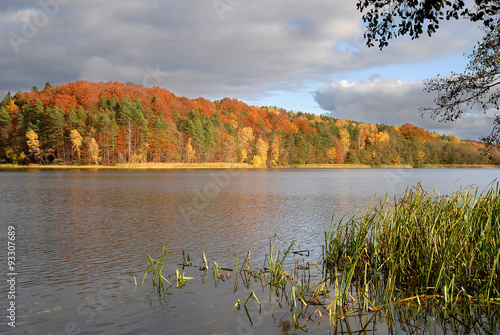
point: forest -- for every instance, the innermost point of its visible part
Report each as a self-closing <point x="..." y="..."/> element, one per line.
<point x="85" y="123"/>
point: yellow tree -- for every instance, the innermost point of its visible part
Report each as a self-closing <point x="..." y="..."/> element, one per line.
<point x="191" y="153"/>
<point x="245" y="136"/>
<point x="33" y="144"/>
<point x="378" y="141"/>
<point x="420" y="156"/>
<point x="260" y="160"/>
<point x="94" y="151"/>
<point x="76" y="140"/>
<point x="332" y="154"/>
<point x="341" y="123"/>
<point x="345" y="141"/>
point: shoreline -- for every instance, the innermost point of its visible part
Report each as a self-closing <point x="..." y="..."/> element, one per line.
<point x="170" y="166"/>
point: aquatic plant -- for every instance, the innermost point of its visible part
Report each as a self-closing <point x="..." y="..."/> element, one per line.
<point x="424" y="246"/>
<point x="397" y="261"/>
<point x="155" y="266"/>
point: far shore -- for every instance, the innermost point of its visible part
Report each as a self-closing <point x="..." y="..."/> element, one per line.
<point x="145" y="166"/>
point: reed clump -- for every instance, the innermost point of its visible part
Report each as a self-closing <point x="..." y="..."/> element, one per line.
<point x="422" y="246"/>
<point x="417" y="257"/>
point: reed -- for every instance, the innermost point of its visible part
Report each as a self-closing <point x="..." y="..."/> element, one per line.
<point x="181" y="279"/>
<point x="276" y="274"/>
<point x="423" y="246"/>
<point x="155" y="267"/>
<point x="398" y="261"/>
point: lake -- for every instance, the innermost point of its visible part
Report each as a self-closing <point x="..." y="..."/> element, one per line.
<point x="82" y="235"/>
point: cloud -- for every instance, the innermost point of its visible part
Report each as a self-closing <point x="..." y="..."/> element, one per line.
<point x="247" y="50"/>
<point x="98" y="69"/>
<point x="394" y="102"/>
<point x="254" y="48"/>
<point x="20" y="16"/>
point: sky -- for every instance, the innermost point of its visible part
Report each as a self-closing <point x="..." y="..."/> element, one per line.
<point x="306" y="56"/>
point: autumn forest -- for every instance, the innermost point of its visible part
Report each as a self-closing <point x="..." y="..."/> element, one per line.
<point x="84" y="123"/>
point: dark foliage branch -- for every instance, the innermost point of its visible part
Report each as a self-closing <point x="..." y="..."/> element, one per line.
<point x="388" y="19"/>
<point x="478" y="85"/>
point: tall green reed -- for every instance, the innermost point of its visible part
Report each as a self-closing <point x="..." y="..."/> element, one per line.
<point x="155" y="266"/>
<point x="422" y="246"/>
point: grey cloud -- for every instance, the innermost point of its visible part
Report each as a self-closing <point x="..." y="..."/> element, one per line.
<point x="394" y="102"/>
<point x="272" y="39"/>
<point x="250" y="49"/>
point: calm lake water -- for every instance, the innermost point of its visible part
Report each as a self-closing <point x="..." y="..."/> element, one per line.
<point x="81" y="235"/>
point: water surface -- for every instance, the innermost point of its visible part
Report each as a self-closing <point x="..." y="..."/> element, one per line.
<point x="82" y="234"/>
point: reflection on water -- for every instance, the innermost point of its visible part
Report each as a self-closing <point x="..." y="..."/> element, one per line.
<point x="82" y="234"/>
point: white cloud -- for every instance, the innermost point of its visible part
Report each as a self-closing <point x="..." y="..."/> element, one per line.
<point x="394" y="102"/>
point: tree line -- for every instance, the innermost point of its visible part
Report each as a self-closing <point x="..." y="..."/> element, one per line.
<point x="84" y="123"/>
